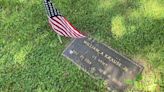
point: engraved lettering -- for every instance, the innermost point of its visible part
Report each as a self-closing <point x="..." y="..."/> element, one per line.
<point x="87" y="61"/>
<point x="82" y="57"/>
<point x="125" y="69"/>
<point x="102" y="53"/>
<point x="108" y="57"/>
<point x="101" y="62"/>
<point x="75" y="52"/>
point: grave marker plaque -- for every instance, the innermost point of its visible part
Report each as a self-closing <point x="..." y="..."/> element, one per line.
<point x="103" y="62"/>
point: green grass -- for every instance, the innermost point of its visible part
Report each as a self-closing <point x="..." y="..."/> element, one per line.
<point x="30" y="53"/>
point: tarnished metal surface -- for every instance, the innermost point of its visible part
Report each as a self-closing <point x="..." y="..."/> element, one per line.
<point x="103" y="62"/>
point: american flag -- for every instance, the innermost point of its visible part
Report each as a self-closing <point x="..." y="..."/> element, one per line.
<point x="59" y="23"/>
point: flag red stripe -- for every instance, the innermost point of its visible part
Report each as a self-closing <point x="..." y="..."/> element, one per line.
<point x="61" y="27"/>
<point x="68" y="26"/>
<point x="67" y="30"/>
<point x="74" y="36"/>
<point x="56" y="30"/>
<point x="73" y="27"/>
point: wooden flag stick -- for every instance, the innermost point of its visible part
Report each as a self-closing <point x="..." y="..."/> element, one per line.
<point x="59" y="37"/>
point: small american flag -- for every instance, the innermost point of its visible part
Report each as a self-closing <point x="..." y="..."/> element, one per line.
<point x="59" y="23"/>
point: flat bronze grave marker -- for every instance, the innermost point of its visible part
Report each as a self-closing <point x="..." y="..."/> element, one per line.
<point x="103" y="62"/>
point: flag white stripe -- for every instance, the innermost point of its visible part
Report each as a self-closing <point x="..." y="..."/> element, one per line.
<point x="57" y="29"/>
<point x="68" y="27"/>
<point x="57" y="32"/>
<point x="60" y="24"/>
<point x="65" y="31"/>
<point x="68" y="30"/>
<point x="71" y="26"/>
<point x="63" y="27"/>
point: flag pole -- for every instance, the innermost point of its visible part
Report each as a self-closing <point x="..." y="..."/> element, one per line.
<point x="59" y="37"/>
